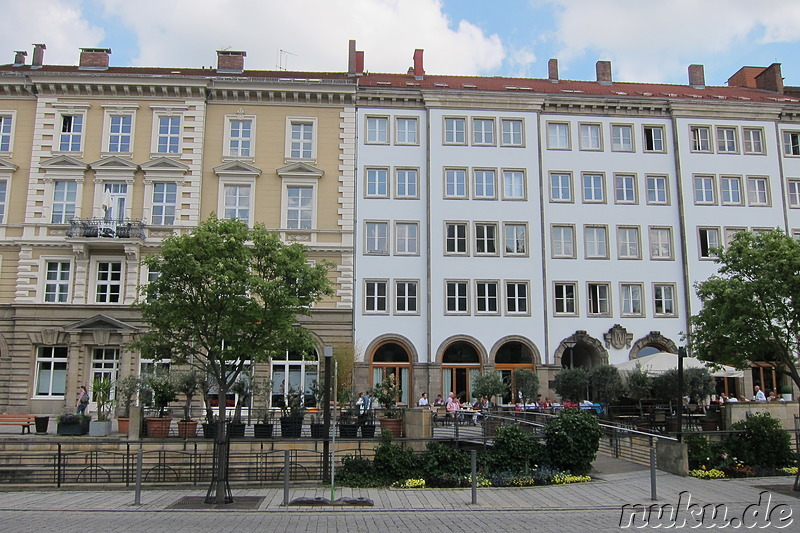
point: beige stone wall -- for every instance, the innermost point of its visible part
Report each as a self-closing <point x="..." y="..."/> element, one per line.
<point x="783" y="411"/>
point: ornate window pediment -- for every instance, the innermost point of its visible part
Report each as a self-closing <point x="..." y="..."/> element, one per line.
<point x="300" y="170"/>
<point x="237" y="168"/>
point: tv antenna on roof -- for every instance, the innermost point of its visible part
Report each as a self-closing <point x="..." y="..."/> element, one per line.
<point x="283" y="59"/>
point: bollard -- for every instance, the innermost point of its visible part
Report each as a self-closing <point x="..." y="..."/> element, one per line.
<point x="473" y="459"/>
<point x="653" y="474"/>
<point x="286" y="477"/>
<point x="138" y="492"/>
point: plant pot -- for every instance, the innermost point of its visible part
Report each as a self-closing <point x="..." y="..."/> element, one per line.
<point x="100" y="428"/>
<point x="158" y="427"/>
<point x="348" y="431"/>
<point x="317" y="431"/>
<point x="209" y="430"/>
<point x="73" y="428"/>
<point x="291" y="426"/>
<point x="187" y="429"/>
<point x="708" y="424"/>
<point x="394" y="425"/>
<point x="236" y="429"/>
<point x="262" y="431"/>
<point x="786" y="398"/>
<point x="368" y="431"/>
<point x="41" y="424"/>
<point x="123" y="425"/>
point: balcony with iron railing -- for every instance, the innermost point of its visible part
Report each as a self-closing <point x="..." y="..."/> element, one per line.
<point x="100" y="228"/>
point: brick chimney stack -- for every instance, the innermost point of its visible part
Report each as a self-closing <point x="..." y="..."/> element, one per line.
<point x="38" y="55"/>
<point x="355" y="60"/>
<point x="697" y="76"/>
<point x="770" y="79"/>
<point x="94" y="58"/>
<point x="19" y="57"/>
<point x="419" y="71"/>
<point x="603" y="72"/>
<point x="552" y="70"/>
<point x="230" y="61"/>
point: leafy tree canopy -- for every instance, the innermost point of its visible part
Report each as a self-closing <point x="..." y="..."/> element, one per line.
<point x="751" y="308"/>
<point x="606" y="383"/>
<point x="572" y="384"/>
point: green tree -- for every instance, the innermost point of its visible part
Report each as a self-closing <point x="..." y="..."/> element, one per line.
<point x="638" y="383"/>
<point x="571" y="383"/>
<point x="697" y="384"/>
<point x="227" y="294"/>
<point x="527" y="384"/>
<point x="489" y="384"/>
<point x="606" y="383"/>
<point x="751" y="307"/>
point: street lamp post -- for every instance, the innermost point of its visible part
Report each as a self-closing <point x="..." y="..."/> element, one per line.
<point x="570" y="345"/>
<point x="681" y="355"/>
<point x="326" y="411"/>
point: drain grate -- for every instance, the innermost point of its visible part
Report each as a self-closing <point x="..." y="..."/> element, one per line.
<point x="199" y="502"/>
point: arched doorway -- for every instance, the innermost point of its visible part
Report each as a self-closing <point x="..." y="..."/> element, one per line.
<point x="511" y="356"/>
<point x="581" y="350"/>
<point x="392" y="358"/>
<point x="461" y="364"/>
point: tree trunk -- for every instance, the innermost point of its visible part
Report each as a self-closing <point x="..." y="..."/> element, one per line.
<point x="221" y="475"/>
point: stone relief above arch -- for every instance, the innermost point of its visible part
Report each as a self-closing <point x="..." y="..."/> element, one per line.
<point x="654" y="339"/>
<point x="472" y="341"/>
<point x="583" y="338"/>
<point x="413" y="355"/>
<point x="537" y="356"/>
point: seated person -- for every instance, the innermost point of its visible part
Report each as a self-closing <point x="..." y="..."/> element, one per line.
<point x="438" y="402"/>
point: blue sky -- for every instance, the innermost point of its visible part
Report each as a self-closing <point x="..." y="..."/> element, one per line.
<point x="646" y="41"/>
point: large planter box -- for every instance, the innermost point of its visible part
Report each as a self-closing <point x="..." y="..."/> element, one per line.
<point x="100" y="428"/>
<point x="71" y="428"/>
<point x="262" y="431"/>
<point x="291" y="426"/>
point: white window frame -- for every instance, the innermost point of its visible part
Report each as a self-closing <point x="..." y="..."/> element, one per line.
<point x="454" y="131"/>
<point x="109" y="283"/>
<point x="454" y="179"/>
<point x="514" y="184"/>
<point x="561" y="298"/>
<point x="595" y="177"/>
<point x="511" y="241"/>
<point x="656" y="236"/>
<point x="376" y="182"/>
<point x="516" y="304"/>
<point x="460" y="296"/>
<point x="8" y="120"/>
<point x="659" y="307"/>
<point x="704" y="190"/>
<point x="377" y="129"/>
<point x="243" y="184"/>
<point x="700" y="139"/>
<point x="727" y="140"/>
<point x="60" y="286"/>
<point x="50" y="356"/>
<point x="4" y="191"/>
<point x="653" y="142"/>
<point x="376" y="303"/>
<point x="405" y="297"/>
<point x="753" y="141"/>
<point x="405" y="244"/>
<point x="165" y="206"/>
<point x="376" y="237"/>
<point x="483" y="179"/>
<point x="758" y="193"/>
<point x="510" y="136"/>
<point x="109" y="113"/>
<point x="626" y="184"/>
<point x="562" y="241"/>
<point x="64" y="214"/>
<point x="71" y="135"/>
<point x="590" y="136"/>
<point x="791" y="143"/>
<point x="482" y="238"/>
<point x="481" y="136"/>
<point x="629" y="299"/>
<point x="170" y="113"/>
<point x="793" y="193"/>
<point x="406" y="172"/>
<point x="595" y="248"/>
<point x="299" y="184"/>
<point x="456" y="239"/>
<point x="301" y="149"/>
<point x="705" y="242"/>
<point x="240" y="152"/>
<point x="558" y="136"/>
<point x="621" y="142"/>
<point x="731" y="190"/>
<point x="597" y="303"/>
<point x="628" y="248"/>
<point x="402" y="134"/>
<point x="655" y="180"/>
<point x="484" y="298"/>
<point x="561" y="187"/>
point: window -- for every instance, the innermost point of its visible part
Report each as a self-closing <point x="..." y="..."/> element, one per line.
<point x="300" y="207"/>
<point x="3" y="193"/>
<point x="704" y="189"/>
<point x="406" y="297"/>
<point x="563" y="241"/>
<point x="406" y="130"/>
<point x="375" y="297"/>
<point x="726" y="141"/>
<point x="512" y="132"/>
<point x="456" y="238"/>
<point x="377" y="182"/>
<point x="593" y="188"/>
<point x="516" y="298"/>
<point x="558" y="136"/>
<point x="791" y="142"/>
<point x="654" y="139"/>
<point x="455" y="183"/>
<point x="731" y="232"/>
<point x="660" y="243"/>
<point x="625" y="189"/>
<point x="631" y="299"/>
<point x="560" y="187"/>
<point x="484" y="184"/>
<point x="65" y="195"/>
<point x="794" y="193"/>
<point x="596" y="242"/>
<point x="656" y="189"/>
<point x="169" y="135"/>
<point x="165" y="199"/>
<point x="455" y="131"/>
<point x="71" y="133"/>
<point x="628" y="242"/>
<point x="237" y="202"/>
<point x="108" y="282"/>
<point x="513" y="185"/>
<point x="753" y="140"/>
<point x="301" y="139"/>
<point x="486" y="297"/>
<point x="56" y="287"/>
<point x="565" y="298"/>
<point x="590" y="137"/>
<point x="5" y="132"/>
<point x="758" y="191"/>
<point x="709" y="239"/>
<point x="664" y="299"/>
<point x="120" y="128"/>
<point x="377" y="238"/>
<point x="377" y="130"/>
<point x="700" y="138"/>
<point x="406" y="238"/>
<point x="621" y="138"/>
<point x="239" y="137"/>
<point x="456" y="297"/>
<point x="485" y="239"/>
<point x="51" y="370"/>
<point x="483" y="131"/>
<point x="516" y="241"/>
<point x="598" y="295"/>
<point x="407" y="183"/>
<point x="115" y="199"/>
<point x="731" y="190"/>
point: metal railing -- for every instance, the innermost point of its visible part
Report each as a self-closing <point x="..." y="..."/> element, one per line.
<point x="99" y="228"/>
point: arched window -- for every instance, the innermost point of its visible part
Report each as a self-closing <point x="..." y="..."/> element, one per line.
<point x="461" y="364"/>
<point x="511" y="356"/>
<point x="393" y="358"/>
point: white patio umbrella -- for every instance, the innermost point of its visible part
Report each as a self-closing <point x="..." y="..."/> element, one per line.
<point x="660" y="362"/>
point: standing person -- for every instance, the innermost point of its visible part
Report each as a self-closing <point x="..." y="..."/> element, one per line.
<point x="423" y="400"/>
<point x="759" y="395"/>
<point x="83" y="400"/>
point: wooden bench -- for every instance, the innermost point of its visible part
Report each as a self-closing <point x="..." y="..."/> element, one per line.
<point x="26" y="421"/>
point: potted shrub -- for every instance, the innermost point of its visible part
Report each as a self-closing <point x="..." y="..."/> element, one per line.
<point x="243" y="387"/>
<point x="187" y="383"/>
<point x="73" y="424"/>
<point x="490" y="385"/>
<point x="387" y="392"/>
<point x="292" y="416"/>
<point x="786" y="393"/>
<point x="126" y="390"/>
<point x="101" y="391"/>
<point x="262" y="429"/>
<point x="163" y="390"/>
<point x="317" y="424"/>
<point x="348" y="418"/>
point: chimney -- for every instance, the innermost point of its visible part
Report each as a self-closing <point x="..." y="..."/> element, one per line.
<point x="355" y="60"/>
<point x="94" y="58"/>
<point x="552" y="70"/>
<point x="603" y="72"/>
<point x="697" y="76"/>
<point x="419" y="71"/>
<point x="38" y="55"/>
<point x="770" y="79"/>
<point x="19" y="57"/>
<point x="230" y="61"/>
